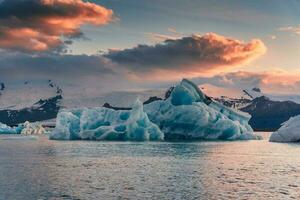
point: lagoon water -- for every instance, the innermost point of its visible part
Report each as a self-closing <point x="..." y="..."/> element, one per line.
<point x="36" y="168"/>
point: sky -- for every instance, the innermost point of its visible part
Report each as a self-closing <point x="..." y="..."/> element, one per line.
<point x="104" y="45"/>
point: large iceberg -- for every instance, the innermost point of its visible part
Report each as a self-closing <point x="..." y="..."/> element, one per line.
<point x="106" y="124"/>
<point x="288" y="132"/>
<point x="189" y="114"/>
<point x="185" y="114"/>
<point x="4" y="129"/>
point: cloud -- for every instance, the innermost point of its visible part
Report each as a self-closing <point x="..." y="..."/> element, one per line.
<point x="79" y="75"/>
<point x="22" y="65"/>
<point x="275" y="82"/>
<point x="157" y="37"/>
<point x="39" y="25"/>
<point x="291" y="29"/>
<point x="172" y="34"/>
<point x="188" y="56"/>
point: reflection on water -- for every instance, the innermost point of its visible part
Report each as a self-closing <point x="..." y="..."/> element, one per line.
<point x="42" y="169"/>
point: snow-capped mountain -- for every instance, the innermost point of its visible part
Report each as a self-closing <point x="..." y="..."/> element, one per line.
<point x="41" y="101"/>
<point x="232" y="97"/>
<point x="269" y="114"/>
<point x="27" y="102"/>
<point x="268" y="111"/>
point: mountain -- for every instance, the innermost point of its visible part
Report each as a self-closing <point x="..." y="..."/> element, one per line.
<point x="268" y="114"/>
<point x="268" y="111"/>
<point x="42" y="109"/>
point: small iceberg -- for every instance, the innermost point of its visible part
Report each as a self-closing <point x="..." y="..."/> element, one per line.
<point x="4" y="129"/>
<point x="288" y="132"/>
<point x="33" y="129"/>
<point x="186" y="114"/>
<point x="24" y="129"/>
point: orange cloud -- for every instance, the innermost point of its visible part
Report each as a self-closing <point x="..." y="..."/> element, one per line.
<point x="188" y="56"/>
<point x="39" y="25"/>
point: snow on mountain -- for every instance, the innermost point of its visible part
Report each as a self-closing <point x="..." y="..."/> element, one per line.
<point x="27" y="102"/>
<point x="21" y="95"/>
<point x="235" y="94"/>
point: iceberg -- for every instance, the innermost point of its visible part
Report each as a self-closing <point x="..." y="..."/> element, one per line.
<point x="185" y="114"/>
<point x="26" y="128"/>
<point x="188" y="114"/>
<point x="288" y="132"/>
<point x="106" y="124"/>
<point x="32" y="129"/>
<point x="4" y="129"/>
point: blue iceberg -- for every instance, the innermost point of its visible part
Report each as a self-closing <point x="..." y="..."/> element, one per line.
<point x="106" y="124"/>
<point x="4" y="129"/>
<point x="186" y="114"/>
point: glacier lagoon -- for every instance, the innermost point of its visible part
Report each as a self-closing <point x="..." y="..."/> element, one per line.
<point x="49" y="169"/>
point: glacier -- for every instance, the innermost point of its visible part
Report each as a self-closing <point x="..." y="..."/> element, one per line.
<point x="186" y="114"/>
<point x="106" y="124"/>
<point x="288" y="132"/>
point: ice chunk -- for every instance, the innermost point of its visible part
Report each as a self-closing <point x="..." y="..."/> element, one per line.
<point x="186" y="114"/>
<point x="288" y="132"/>
<point x="32" y="129"/>
<point x="189" y="114"/>
<point x="4" y="129"/>
<point x="106" y="124"/>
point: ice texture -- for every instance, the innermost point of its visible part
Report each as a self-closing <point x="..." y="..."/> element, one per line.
<point x="4" y="129"/>
<point x="106" y="124"/>
<point x="188" y="114"/>
<point x="288" y="132"/>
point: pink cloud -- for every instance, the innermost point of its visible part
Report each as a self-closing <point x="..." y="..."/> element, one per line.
<point x="40" y="25"/>
<point x="187" y="56"/>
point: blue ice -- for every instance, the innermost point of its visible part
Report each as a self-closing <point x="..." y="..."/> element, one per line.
<point x="188" y="114"/>
<point x="4" y="129"/>
<point x="106" y="124"/>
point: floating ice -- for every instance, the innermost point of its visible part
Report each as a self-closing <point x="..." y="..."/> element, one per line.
<point x="4" y="129"/>
<point x="105" y="124"/>
<point x="288" y="132"/>
<point x="32" y="129"/>
<point x="186" y="114"/>
<point x="189" y="114"/>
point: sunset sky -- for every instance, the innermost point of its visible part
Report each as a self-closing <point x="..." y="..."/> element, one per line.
<point x="133" y="44"/>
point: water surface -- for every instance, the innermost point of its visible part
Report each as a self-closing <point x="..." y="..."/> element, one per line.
<point x="36" y="168"/>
